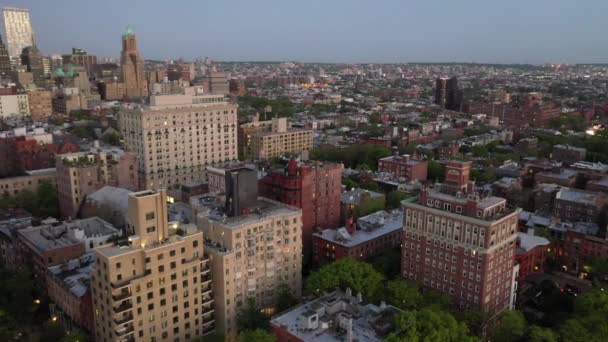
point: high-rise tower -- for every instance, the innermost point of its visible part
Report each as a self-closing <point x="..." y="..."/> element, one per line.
<point x="132" y="65"/>
<point x="5" y="61"/>
<point x="18" y="29"/>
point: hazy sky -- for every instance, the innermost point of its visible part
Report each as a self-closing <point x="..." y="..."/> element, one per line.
<point x="497" y="31"/>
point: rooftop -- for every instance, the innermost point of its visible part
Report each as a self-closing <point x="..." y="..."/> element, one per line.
<point x="369" y="227"/>
<point x="330" y="319"/>
<point x="75" y="275"/>
<point x="529" y="241"/>
<point x="57" y="235"/>
<point x="571" y="195"/>
<point x="354" y="196"/>
<point x="212" y="208"/>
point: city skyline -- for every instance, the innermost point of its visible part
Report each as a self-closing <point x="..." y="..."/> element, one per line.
<point x="523" y="33"/>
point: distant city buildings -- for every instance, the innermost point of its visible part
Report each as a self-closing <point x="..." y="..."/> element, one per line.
<point x="18" y="30"/>
<point x="132" y="66"/>
<point x="404" y="167"/>
<point x="275" y="139"/>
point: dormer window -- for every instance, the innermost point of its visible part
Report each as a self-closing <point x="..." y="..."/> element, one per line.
<point x="458" y="209"/>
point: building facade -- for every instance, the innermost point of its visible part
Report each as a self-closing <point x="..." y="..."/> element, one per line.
<point x="254" y="245"/>
<point x="82" y="173"/>
<point x="404" y="167"/>
<point x="5" y="62"/>
<point x="314" y="187"/>
<point x="18" y="30"/>
<point x="178" y="135"/>
<point x="461" y="244"/>
<point x="157" y="288"/>
<point x="132" y="66"/>
<point x="14" y="105"/>
<point x="280" y="141"/>
<point x="40" y="103"/>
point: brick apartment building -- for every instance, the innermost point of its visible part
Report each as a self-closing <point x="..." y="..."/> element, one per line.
<point x="371" y="235"/>
<point x="460" y="243"/>
<point x="314" y="187"/>
<point x="404" y="167"/>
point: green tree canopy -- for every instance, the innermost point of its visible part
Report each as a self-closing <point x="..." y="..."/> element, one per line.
<point x="257" y="335"/>
<point x="285" y="298"/>
<point x="436" y="171"/>
<point x="430" y="325"/>
<point x="512" y="327"/>
<point x="539" y="334"/>
<point x="403" y="294"/>
<point x="251" y="318"/>
<point x="346" y="272"/>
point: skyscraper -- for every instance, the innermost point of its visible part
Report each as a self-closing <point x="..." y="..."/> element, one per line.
<point x="18" y="29"/>
<point x="32" y="59"/>
<point x="453" y="95"/>
<point x="441" y="85"/>
<point x="5" y="61"/>
<point x="158" y="288"/>
<point x="132" y="66"/>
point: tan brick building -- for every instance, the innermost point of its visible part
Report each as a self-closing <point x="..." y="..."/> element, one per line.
<point x="178" y="135"/>
<point x="251" y="254"/>
<point x="40" y="103"/>
<point x="279" y="141"/>
<point x="159" y="287"/>
<point x="132" y="66"/>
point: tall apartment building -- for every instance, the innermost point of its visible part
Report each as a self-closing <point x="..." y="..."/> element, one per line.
<point x="218" y="83"/>
<point x="159" y="287"/>
<point x="441" y="86"/>
<point x="279" y="141"/>
<point x="178" y="135"/>
<point x="18" y="30"/>
<point x="5" y="62"/>
<point x="246" y="130"/>
<point x="460" y="243"/>
<point x="314" y="187"/>
<point x="132" y="66"/>
<point x="81" y="173"/>
<point x="254" y="245"/>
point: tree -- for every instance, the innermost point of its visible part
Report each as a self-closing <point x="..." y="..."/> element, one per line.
<point x="512" y="327"/>
<point x="251" y="318"/>
<point x="74" y="336"/>
<point x="394" y="198"/>
<point x="347" y="272"/>
<point x="48" y="203"/>
<point x="436" y="171"/>
<point x="388" y="262"/>
<point x="436" y="299"/>
<point x="349" y="183"/>
<point x="430" y="325"/>
<point x="285" y="298"/>
<point x="257" y="335"/>
<point x="403" y="294"/>
<point x="539" y="334"/>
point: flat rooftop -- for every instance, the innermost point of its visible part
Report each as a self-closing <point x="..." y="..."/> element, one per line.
<point x="369" y="322"/>
<point x="579" y="196"/>
<point x="56" y="235"/>
<point x="264" y="208"/>
<point x="75" y="275"/>
<point x="528" y="241"/>
<point x="369" y="228"/>
<point x="354" y="196"/>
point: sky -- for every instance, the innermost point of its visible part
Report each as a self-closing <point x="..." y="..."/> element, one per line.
<point x="350" y="31"/>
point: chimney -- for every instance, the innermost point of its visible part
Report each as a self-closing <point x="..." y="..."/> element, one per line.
<point x="349" y="292"/>
<point x="359" y="298"/>
<point x="351" y="226"/>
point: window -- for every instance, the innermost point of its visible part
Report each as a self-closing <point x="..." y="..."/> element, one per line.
<point x="151" y="229"/>
<point x="150" y="216"/>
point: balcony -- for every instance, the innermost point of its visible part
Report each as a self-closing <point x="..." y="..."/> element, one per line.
<point x="206" y="278"/>
<point x="207" y="299"/>
<point x="124" y="319"/>
<point x="207" y="313"/>
<point x="121" y="296"/>
<point x="121" y="284"/>
<point x="122" y="331"/>
<point x="126" y="305"/>
<point x="208" y="327"/>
